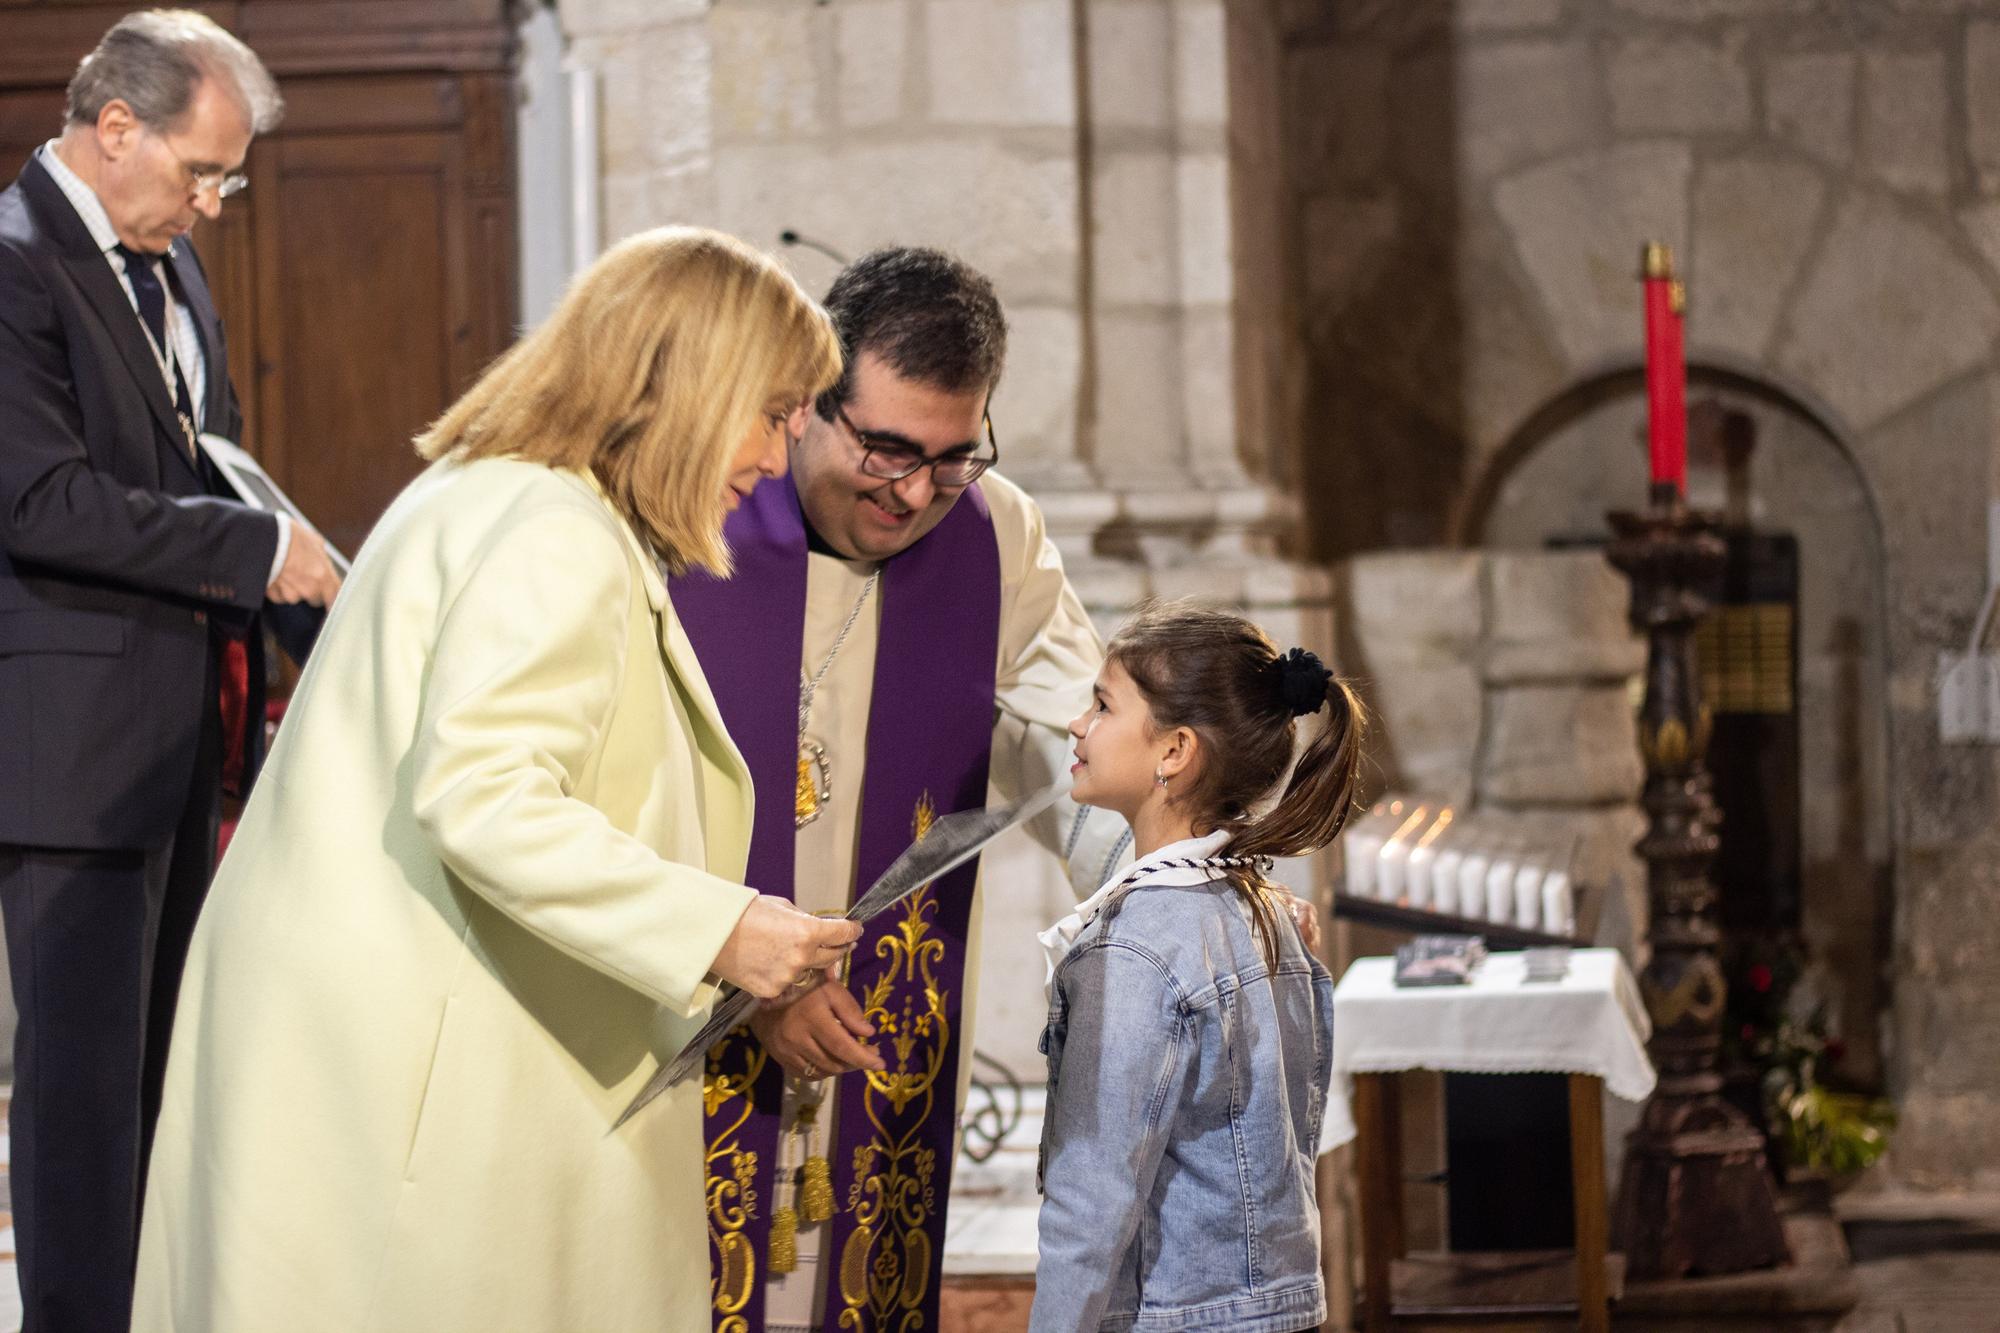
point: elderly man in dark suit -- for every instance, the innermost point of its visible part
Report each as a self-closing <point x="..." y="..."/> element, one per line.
<point x="130" y="592"/>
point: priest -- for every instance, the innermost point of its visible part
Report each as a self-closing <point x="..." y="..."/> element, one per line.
<point x="907" y="598"/>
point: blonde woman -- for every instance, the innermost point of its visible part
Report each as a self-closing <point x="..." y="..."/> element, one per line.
<point x="491" y="871"/>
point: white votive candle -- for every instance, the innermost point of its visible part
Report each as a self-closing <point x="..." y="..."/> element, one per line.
<point x="1444" y="879"/>
<point x="1558" y="904"/>
<point x="1528" y="894"/>
<point x="1499" y="903"/>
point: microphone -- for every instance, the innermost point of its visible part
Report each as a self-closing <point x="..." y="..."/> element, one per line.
<point x="789" y="236"/>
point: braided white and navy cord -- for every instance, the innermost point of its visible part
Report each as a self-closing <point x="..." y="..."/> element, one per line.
<point x="1114" y="898"/>
<point x="1261" y="864"/>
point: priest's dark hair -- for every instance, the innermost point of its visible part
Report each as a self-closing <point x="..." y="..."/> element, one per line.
<point x="1220" y="676"/>
<point x="930" y="315"/>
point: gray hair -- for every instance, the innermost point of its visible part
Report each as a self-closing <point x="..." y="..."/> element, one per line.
<point x="155" y="59"/>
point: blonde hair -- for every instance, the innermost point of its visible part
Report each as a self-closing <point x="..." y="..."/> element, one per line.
<point x="648" y="375"/>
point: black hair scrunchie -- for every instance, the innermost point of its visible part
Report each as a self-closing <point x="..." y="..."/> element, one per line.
<point x="1301" y="682"/>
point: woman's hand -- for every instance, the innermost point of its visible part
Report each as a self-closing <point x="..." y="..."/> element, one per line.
<point x="775" y="946"/>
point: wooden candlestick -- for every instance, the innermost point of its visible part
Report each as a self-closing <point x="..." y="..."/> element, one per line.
<point x="1695" y="1197"/>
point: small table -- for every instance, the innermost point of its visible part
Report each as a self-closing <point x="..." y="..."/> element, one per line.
<point x="1591" y="1025"/>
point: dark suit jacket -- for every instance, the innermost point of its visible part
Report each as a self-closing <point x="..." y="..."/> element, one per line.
<point x="114" y="554"/>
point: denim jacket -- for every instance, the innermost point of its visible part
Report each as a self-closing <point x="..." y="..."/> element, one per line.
<point x="1186" y="1085"/>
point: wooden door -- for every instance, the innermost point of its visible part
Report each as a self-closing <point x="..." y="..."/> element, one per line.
<point x="368" y="273"/>
<point x="379" y="269"/>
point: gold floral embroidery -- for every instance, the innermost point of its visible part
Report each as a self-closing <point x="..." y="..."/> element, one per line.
<point x="731" y="1179"/>
<point x="885" y="1266"/>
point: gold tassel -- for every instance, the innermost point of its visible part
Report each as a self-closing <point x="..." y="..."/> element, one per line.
<point x="816" y="1195"/>
<point x="784" y="1240"/>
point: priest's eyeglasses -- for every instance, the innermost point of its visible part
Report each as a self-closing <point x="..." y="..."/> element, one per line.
<point x="224" y="183"/>
<point x="891" y="459"/>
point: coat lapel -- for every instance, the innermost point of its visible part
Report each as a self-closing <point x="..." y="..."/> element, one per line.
<point x="685" y="667"/>
<point x="100" y="287"/>
<point x="91" y="272"/>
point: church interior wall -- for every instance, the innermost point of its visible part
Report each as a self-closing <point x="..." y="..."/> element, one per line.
<point x="1470" y="182"/>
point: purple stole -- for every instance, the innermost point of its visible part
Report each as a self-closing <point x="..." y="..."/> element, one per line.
<point x="930" y="731"/>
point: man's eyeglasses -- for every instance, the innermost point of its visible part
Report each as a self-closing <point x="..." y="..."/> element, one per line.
<point x="893" y="460"/>
<point x="224" y="183"/>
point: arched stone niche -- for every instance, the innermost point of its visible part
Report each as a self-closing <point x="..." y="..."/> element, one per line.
<point x="1583" y="453"/>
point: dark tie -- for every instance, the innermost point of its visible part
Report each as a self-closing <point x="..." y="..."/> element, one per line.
<point x="142" y="271"/>
<point x="234" y="668"/>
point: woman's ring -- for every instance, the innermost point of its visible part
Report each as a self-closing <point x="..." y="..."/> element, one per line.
<point x="811" y="1071"/>
<point x="805" y="978"/>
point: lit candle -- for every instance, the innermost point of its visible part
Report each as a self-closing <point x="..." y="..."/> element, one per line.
<point x="1666" y="371"/>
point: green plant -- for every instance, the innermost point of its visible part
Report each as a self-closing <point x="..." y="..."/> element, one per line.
<point x="1838" y="1133"/>
<point x="1780" y="1033"/>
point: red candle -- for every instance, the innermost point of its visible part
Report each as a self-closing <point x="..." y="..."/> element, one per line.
<point x="1666" y="370"/>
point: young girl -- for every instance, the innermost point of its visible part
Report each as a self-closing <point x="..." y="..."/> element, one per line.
<point x="1189" y="1029"/>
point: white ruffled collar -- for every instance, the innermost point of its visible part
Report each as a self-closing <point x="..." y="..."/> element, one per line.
<point x="1169" y="865"/>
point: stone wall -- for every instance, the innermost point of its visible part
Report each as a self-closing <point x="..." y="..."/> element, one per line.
<point x="1471" y="180"/>
<point x="1503" y="682"/>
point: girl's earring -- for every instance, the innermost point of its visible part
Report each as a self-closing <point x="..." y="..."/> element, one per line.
<point x="1160" y="777"/>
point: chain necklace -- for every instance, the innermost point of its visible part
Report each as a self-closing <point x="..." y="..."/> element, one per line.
<point x="815" y="781"/>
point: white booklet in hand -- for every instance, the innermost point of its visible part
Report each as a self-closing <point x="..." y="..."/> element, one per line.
<point x="254" y="487"/>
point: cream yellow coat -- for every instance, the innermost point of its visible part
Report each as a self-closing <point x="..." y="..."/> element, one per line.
<point x="473" y="900"/>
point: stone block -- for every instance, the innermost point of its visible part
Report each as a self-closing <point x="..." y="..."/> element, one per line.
<point x="1753" y="226"/>
<point x="1872" y="336"/>
<point x="1346" y="238"/>
<point x="1034" y="409"/>
<point x="1131" y="65"/>
<point x="1809" y="101"/>
<point x="1337" y="113"/>
<point x="1201" y="72"/>
<point x="1425" y="725"/>
<point x="1558" y="616"/>
<point x="1982" y="226"/>
<point x="1702" y="11"/>
<point x="591" y="18"/>
<point x="1133" y="204"/>
<point x="1009" y="64"/>
<point x="766" y="72"/>
<point x="1945" y="1142"/>
<point x="1574" y="223"/>
<point x="655" y="98"/>
<point x="1929" y="468"/>
<point x="1510" y="369"/>
<point x="1560" y="745"/>
<point x="1010" y="213"/>
<point x="872" y="44"/>
<point x="1403" y="608"/>
<point x="1903" y="114"/>
<point x="1522" y="101"/>
<point x="1679" y="86"/>
<point x="1506" y="15"/>
<point x="1201" y="186"/>
<point x="1208" y="391"/>
<point x="1982" y="101"/>
<point x="1139" y="438"/>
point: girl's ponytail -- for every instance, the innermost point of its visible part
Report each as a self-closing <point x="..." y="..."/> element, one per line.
<point x="1320" y="794"/>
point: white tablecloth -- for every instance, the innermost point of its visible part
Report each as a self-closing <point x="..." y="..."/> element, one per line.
<point x="1590" y="1022"/>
